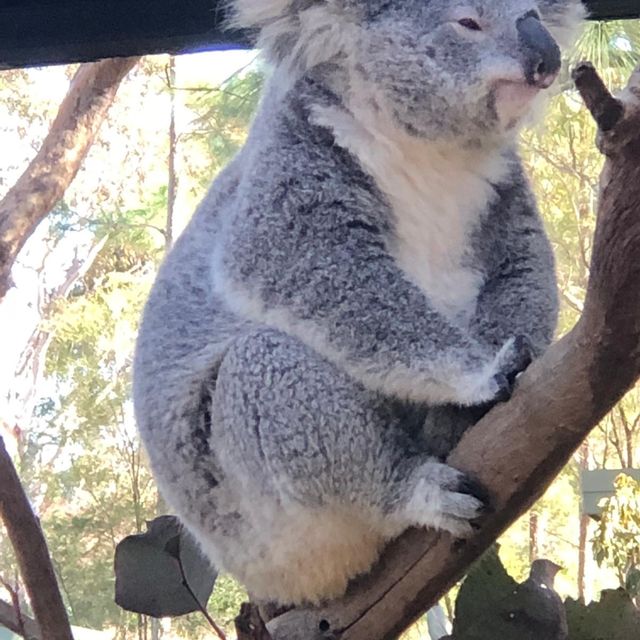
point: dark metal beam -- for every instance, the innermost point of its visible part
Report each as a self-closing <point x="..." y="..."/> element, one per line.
<point x="613" y="9"/>
<point x="40" y="32"/>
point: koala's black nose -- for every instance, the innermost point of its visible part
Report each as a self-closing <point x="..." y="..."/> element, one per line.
<point x="541" y="52"/>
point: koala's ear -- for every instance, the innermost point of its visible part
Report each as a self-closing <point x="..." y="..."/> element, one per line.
<point x="564" y="19"/>
<point x="252" y="14"/>
<point x="293" y="33"/>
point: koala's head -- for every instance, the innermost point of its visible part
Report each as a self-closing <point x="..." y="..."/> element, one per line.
<point x="440" y="68"/>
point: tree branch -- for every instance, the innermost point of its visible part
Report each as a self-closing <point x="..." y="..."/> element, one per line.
<point x="31" y="551"/>
<point x="43" y="184"/>
<point x="18" y="623"/>
<point x="249" y="624"/>
<point x="519" y="447"/>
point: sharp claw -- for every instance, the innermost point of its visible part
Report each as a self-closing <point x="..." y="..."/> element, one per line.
<point x="523" y="358"/>
<point x="504" y="388"/>
<point x="472" y="487"/>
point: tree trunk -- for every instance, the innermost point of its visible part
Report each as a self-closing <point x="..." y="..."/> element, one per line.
<point x="43" y="184"/>
<point x="519" y="447"/>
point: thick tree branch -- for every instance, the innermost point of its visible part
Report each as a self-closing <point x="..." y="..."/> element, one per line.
<point x="43" y="184"/>
<point x="31" y="550"/>
<point x="519" y="447"/>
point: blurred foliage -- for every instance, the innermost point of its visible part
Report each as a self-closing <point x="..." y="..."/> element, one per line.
<point x="221" y="118"/>
<point x="612" y="46"/>
<point x="617" y="537"/>
<point x="613" y="617"/>
<point x="491" y="604"/>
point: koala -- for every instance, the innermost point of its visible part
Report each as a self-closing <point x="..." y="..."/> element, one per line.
<point x="362" y="282"/>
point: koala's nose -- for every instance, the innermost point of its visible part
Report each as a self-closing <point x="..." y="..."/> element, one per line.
<point x="541" y="52"/>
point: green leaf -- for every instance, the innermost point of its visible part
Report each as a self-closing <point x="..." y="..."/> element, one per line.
<point x="149" y="577"/>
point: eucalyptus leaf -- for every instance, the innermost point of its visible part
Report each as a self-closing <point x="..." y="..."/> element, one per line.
<point x="151" y="569"/>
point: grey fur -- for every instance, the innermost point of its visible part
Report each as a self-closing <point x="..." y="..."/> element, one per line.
<point x="292" y="382"/>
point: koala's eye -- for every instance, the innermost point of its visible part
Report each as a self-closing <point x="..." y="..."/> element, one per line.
<point x="470" y="23"/>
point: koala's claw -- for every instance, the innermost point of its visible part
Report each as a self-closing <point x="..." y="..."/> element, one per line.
<point x="474" y="488"/>
<point x="514" y="358"/>
<point x="447" y="499"/>
<point x="505" y="389"/>
<point x="522" y="358"/>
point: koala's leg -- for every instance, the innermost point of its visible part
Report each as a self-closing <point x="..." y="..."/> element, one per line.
<point x="295" y="427"/>
<point x="444" y="427"/>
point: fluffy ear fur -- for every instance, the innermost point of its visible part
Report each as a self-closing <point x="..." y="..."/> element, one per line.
<point x="564" y="19"/>
<point x="294" y="33"/>
<point x="255" y="13"/>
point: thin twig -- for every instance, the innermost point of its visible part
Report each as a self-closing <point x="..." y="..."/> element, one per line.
<point x="15" y="602"/>
<point x="19" y="624"/>
<point x="200" y="606"/>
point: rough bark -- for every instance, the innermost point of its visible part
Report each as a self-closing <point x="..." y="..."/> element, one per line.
<point x="519" y="447"/>
<point x="43" y="184"/>
<point x="249" y="624"/>
<point x="533" y="536"/>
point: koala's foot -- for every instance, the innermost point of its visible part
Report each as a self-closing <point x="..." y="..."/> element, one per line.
<point x="444" y="498"/>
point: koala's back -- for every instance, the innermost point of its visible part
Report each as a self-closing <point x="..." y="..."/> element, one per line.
<point x="184" y="331"/>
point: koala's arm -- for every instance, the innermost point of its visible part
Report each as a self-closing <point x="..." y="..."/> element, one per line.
<point x="519" y="296"/>
<point x="338" y="289"/>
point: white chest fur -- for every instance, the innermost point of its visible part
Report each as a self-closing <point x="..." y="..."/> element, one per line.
<point x="437" y="195"/>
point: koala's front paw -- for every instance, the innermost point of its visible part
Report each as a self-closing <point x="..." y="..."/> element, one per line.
<point x="496" y="381"/>
<point x="514" y="357"/>
<point x="444" y="498"/>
